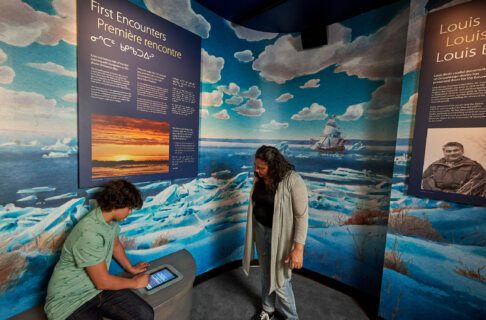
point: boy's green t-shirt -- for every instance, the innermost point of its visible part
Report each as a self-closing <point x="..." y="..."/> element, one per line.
<point x="89" y="243"/>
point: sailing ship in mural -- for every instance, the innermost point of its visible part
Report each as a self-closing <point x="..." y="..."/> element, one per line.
<point x="331" y="139"/>
<point x="403" y="159"/>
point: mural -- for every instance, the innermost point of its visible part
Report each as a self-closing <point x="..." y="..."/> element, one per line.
<point x="435" y="257"/>
<point x="259" y="88"/>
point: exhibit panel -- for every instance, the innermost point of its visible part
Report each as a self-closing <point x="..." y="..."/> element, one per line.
<point x="138" y="95"/>
<point x="435" y="249"/>
<point x="449" y="156"/>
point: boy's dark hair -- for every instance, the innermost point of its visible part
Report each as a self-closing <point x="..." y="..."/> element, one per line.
<point x="119" y="194"/>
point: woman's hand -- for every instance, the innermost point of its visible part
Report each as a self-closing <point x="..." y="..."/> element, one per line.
<point x="296" y="256"/>
<point x="139" y="268"/>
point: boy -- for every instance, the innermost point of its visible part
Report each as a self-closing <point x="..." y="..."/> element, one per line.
<point x="81" y="286"/>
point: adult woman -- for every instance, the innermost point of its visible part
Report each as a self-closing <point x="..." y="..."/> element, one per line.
<point x="277" y="223"/>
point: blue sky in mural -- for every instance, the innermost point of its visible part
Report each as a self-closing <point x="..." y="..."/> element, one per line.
<point x="38" y="83"/>
<point x="50" y="71"/>
<point x="327" y="88"/>
<point x="366" y="24"/>
<point x="51" y="85"/>
<point x="44" y="6"/>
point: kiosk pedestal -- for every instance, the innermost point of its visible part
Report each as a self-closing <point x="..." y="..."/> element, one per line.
<point x="174" y="301"/>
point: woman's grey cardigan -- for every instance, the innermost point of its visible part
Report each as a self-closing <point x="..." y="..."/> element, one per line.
<point x="289" y="225"/>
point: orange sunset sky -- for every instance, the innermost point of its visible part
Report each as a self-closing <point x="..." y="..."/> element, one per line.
<point x="120" y="138"/>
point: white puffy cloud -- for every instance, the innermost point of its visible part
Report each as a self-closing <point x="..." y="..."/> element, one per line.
<point x="384" y="100"/>
<point x="211" y="99"/>
<point x="384" y="112"/>
<point x="24" y="102"/>
<point x="353" y="112"/>
<point x="3" y="56"/>
<point x="252" y="108"/>
<point x="204" y="113"/>
<point x="22" y="25"/>
<point x="285" y="97"/>
<point x="411" y="104"/>
<point x="211" y="67"/>
<point x="312" y="83"/>
<point x="253" y="92"/>
<point x="7" y="75"/>
<point x="314" y="112"/>
<point x="71" y="97"/>
<point x="180" y="12"/>
<point x="30" y="111"/>
<point x="250" y="34"/>
<point x="222" y="115"/>
<point x="274" y="125"/>
<point x="244" y="56"/>
<point x="231" y="89"/>
<point x="65" y="8"/>
<point x="377" y="56"/>
<point x="285" y="60"/>
<point x="54" y="68"/>
<point x="234" y="100"/>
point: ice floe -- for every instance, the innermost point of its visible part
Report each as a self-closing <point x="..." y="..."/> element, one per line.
<point x="36" y="190"/>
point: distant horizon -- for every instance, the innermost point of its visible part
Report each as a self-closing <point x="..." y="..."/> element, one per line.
<point x="129" y="161"/>
<point x="283" y="139"/>
<point x="33" y="137"/>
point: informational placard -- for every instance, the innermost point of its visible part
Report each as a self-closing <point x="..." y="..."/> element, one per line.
<point x="449" y="142"/>
<point x="138" y="92"/>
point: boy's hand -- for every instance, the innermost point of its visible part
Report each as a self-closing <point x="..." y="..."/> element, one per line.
<point x="141" y="280"/>
<point x="139" y="268"/>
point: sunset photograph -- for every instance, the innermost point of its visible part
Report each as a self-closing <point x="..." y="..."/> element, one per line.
<point x="126" y="146"/>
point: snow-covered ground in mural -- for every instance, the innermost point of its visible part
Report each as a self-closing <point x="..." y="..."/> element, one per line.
<point x="205" y="215"/>
<point x="456" y="286"/>
<point x="445" y="291"/>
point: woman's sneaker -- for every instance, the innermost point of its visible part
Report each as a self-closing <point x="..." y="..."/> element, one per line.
<point x="263" y="315"/>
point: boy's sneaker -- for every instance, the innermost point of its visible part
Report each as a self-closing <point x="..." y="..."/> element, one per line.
<point x="263" y="315"/>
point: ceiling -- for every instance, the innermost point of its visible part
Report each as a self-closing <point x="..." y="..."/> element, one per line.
<point x="287" y="16"/>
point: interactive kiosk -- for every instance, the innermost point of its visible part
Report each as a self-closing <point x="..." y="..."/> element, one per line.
<point x="170" y="288"/>
<point x="169" y="291"/>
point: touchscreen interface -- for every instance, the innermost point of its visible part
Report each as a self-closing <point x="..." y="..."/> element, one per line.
<point x="160" y="277"/>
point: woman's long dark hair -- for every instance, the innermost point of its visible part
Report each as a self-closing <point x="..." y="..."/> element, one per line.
<point x="278" y="166"/>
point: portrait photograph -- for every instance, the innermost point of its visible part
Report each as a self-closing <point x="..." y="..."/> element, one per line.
<point x="455" y="161"/>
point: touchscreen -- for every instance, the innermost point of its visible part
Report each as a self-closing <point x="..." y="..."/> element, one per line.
<point x="160" y="277"/>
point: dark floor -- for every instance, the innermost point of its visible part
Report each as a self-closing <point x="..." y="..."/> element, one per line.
<point x="232" y="295"/>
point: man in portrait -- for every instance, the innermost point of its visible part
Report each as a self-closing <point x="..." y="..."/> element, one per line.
<point x="455" y="173"/>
